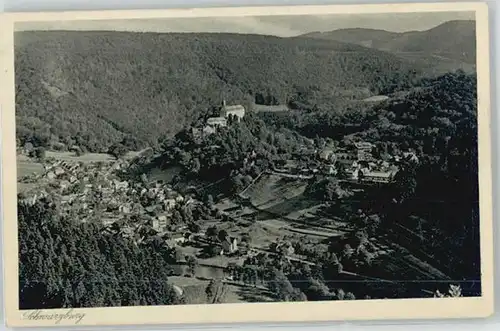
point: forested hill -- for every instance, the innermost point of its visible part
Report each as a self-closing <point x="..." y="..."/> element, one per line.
<point x="92" y="88"/>
<point x="454" y="39"/>
<point x="67" y="264"/>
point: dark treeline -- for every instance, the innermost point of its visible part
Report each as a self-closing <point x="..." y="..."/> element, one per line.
<point x="64" y="263"/>
<point x="437" y="197"/>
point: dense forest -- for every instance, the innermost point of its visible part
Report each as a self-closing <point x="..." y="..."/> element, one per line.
<point x="437" y="197"/>
<point x="92" y="89"/>
<point x="68" y="264"/>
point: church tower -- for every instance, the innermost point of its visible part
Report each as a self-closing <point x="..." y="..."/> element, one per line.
<point x="222" y="112"/>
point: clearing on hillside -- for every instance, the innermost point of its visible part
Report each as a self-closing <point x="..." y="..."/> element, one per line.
<point x="272" y="189"/>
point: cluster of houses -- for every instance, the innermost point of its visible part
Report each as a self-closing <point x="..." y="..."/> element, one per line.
<point x="356" y="159"/>
<point x="227" y="246"/>
<point x="375" y="172"/>
<point x="83" y="189"/>
<point x="134" y="209"/>
<point x="359" y="163"/>
<point x="76" y="185"/>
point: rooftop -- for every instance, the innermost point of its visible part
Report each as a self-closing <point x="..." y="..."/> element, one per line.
<point x="363" y="145"/>
<point x="234" y="107"/>
<point x="216" y="121"/>
<point x="385" y="174"/>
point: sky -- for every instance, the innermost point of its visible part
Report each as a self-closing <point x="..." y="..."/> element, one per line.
<point x="282" y="26"/>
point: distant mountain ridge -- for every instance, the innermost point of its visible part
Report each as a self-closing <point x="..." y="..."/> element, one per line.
<point x="453" y="39"/>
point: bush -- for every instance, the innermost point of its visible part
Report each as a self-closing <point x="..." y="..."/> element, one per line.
<point x="118" y="150"/>
<point x="39" y="153"/>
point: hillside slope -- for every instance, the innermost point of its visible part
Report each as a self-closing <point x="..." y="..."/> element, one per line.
<point x="93" y="88"/>
<point x="454" y="40"/>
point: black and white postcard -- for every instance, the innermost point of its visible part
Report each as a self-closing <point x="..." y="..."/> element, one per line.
<point x="260" y="164"/>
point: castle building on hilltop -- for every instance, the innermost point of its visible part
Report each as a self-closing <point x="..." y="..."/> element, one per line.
<point x="235" y="110"/>
<point x="213" y="123"/>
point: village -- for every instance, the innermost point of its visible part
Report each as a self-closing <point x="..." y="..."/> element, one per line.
<point x="208" y="241"/>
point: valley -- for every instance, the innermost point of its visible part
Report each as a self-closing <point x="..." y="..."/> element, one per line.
<point x="246" y="168"/>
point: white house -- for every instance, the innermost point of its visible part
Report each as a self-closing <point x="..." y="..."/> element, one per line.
<point x="229" y="246"/>
<point x="235" y="110"/>
<point x="169" y="204"/>
<point x="125" y="209"/>
<point x="410" y="156"/>
<point x="379" y="176"/>
<point x="208" y="130"/>
<point x="216" y="121"/>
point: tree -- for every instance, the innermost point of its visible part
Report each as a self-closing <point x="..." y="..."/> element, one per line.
<point x="405" y="182"/>
<point x="347" y="251"/>
<point x="361" y="237"/>
<point x="195" y="166"/>
<point x="78" y="152"/>
<point x="66" y="264"/>
<point x="372" y="223"/>
<point x="340" y="294"/>
<point x="131" y="143"/>
<point x="210" y="291"/>
<point x="192" y="263"/>
<point x="118" y="150"/>
<point x="214" y="250"/>
<point x="317" y="290"/>
<point x="298" y="295"/>
<point x="210" y="200"/>
<point x="217" y="291"/>
<point x="39" y="153"/>
<point x="212" y="232"/>
<point x="28" y="147"/>
<point x="331" y="190"/>
<point x="144" y="178"/>
<point x="281" y="286"/>
<point x="326" y="189"/>
<point x="222" y="235"/>
<point x="194" y="227"/>
<point x="454" y="291"/>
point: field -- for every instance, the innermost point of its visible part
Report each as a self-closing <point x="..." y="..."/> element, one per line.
<point x="269" y="109"/>
<point x="284" y="210"/>
<point x="281" y="205"/>
<point x="376" y="98"/>
<point x="25" y="168"/>
<point x="272" y="190"/>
